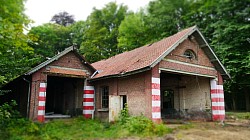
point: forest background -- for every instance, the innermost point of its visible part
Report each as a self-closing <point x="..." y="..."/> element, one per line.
<point x="114" y="29"/>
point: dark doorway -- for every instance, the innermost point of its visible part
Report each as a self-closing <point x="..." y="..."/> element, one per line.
<point x="170" y="102"/>
<point x="124" y="101"/>
<point x="63" y="95"/>
<point x="168" y="99"/>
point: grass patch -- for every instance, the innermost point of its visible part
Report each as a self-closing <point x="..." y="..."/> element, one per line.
<point x="80" y="128"/>
<point x="238" y="115"/>
<point x="186" y="126"/>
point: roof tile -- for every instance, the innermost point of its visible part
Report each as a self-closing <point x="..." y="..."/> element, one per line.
<point x="138" y="58"/>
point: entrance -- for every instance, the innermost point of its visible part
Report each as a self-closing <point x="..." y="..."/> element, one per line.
<point x="168" y="99"/>
<point x="63" y="96"/>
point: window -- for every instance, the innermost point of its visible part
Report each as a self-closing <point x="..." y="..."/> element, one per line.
<point x="105" y="96"/>
<point x="189" y="54"/>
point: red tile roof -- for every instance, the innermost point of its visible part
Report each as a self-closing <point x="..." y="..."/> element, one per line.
<point x="138" y="58"/>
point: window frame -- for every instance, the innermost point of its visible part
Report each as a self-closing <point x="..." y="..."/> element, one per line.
<point x="191" y="54"/>
<point x="104" y="97"/>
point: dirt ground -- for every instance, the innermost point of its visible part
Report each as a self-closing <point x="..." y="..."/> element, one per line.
<point x="229" y="130"/>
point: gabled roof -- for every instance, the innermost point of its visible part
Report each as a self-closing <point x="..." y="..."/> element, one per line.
<point x="146" y="57"/>
<point x="56" y="57"/>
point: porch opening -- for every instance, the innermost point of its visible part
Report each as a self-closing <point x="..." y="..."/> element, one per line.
<point x="185" y="96"/>
<point x="63" y="97"/>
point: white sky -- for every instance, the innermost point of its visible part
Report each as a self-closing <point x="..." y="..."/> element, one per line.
<point x="41" y="11"/>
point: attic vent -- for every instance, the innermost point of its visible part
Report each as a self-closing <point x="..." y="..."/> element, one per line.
<point x="189" y="54"/>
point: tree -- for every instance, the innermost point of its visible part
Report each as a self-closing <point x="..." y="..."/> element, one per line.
<point x="165" y="17"/>
<point x="63" y="18"/>
<point x="133" y="32"/>
<point x="15" y="54"/>
<point x="77" y="31"/>
<point x="226" y="26"/>
<point x="100" y="37"/>
<point x="230" y="36"/>
<point x="49" y="39"/>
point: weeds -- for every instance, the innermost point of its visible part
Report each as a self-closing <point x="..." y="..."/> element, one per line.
<point x="239" y="115"/>
<point x="80" y="128"/>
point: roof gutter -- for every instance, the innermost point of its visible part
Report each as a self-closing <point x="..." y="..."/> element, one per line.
<point x="122" y="74"/>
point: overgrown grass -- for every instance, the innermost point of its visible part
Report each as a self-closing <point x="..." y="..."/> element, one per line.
<point x="238" y="115"/>
<point x="15" y="128"/>
<point x="80" y="128"/>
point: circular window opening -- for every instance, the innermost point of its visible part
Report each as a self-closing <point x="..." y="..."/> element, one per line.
<point x="189" y="54"/>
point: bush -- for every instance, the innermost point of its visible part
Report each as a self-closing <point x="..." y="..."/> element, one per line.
<point x="141" y="125"/>
<point x="124" y="115"/>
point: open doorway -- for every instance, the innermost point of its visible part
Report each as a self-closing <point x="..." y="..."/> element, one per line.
<point x="168" y="99"/>
<point x="63" y="96"/>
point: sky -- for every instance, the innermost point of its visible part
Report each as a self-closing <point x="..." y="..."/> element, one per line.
<point x="41" y="11"/>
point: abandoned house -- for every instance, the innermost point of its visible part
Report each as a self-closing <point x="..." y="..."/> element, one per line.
<point x="177" y="77"/>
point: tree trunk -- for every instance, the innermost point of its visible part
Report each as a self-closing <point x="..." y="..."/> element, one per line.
<point x="247" y="100"/>
<point x="234" y="102"/>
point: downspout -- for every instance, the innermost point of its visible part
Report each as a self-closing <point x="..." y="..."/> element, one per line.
<point x="94" y="74"/>
<point x="93" y="113"/>
<point x="28" y="103"/>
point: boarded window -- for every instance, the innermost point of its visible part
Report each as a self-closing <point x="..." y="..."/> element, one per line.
<point x="105" y="96"/>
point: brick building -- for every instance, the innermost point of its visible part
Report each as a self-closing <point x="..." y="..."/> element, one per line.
<point x="177" y="77"/>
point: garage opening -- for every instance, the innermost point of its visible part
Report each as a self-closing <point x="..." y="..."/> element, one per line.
<point x="63" y="97"/>
<point x="185" y="96"/>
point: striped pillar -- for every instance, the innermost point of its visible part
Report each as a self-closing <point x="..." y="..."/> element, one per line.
<point x="88" y="101"/>
<point x="217" y="97"/>
<point x="41" y="102"/>
<point x="156" y="100"/>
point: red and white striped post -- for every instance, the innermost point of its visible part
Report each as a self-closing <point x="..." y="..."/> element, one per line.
<point x="88" y="101"/>
<point x="41" y="102"/>
<point x="156" y="100"/>
<point x="218" y="105"/>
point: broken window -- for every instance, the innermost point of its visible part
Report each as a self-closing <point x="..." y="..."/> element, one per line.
<point x="189" y="54"/>
<point x="105" y="96"/>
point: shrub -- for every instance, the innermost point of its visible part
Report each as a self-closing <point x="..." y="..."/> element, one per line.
<point x="141" y="125"/>
<point x="124" y="115"/>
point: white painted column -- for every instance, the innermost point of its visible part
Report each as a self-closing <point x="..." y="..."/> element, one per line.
<point x="218" y="104"/>
<point x="88" y="101"/>
<point x="41" y="102"/>
<point x="156" y="100"/>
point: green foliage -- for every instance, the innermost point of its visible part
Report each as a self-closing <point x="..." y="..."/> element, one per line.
<point x="7" y="112"/>
<point x="166" y="17"/>
<point x="49" y="39"/>
<point x="133" y="32"/>
<point x="100" y="37"/>
<point x="142" y="126"/>
<point x="77" y="30"/>
<point x="224" y="23"/>
<point x="238" y="115"/>
<point x="124" y="115"/>
<point x="15" y="54"/>
<point x="80" y="128"/>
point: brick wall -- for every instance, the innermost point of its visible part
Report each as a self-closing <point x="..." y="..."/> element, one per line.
<point x="196" y="95"/>
<point x="177" y="62"/>
<point x="202" y="59"/>
<point x="69" y="60"/>
<point x="37" y="78"/>
<point x="135" y="87"/>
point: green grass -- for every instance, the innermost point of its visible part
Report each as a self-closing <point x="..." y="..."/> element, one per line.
<point x="79" y="128"/>
<point x="238" y="115"/>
